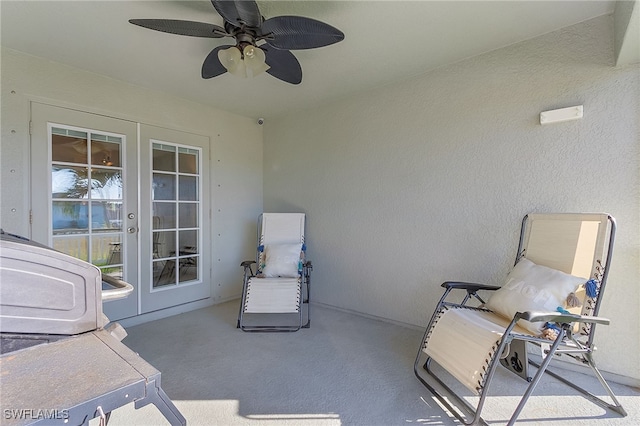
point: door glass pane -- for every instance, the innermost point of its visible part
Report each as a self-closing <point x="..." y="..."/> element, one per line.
<point x="166" y="214"/>
<point x="164" y="244"/>
<point x="69" y="182"/>
<point x="68" y="146"/>
<point x="164" y="186"/>
<point x="164" y="157"/>
<point x="188" y="160"/>
<point x="188" y="269"/>
<point x="166" y="273"/>
<point x="106" y="184"/>
<point x="105" y="150"/>
<point x="106" y="250"/>
<point x="188" y="214"/>
<point x="69" y="217"/>
<point x="114" y="271"/>
<point x="76" y="246"/>
<point x="87" y="202"/>
<point x="188" y="188"/>
<point x="106" y="216"/>
<point x="189" y="241"/>
<point x="176" y="249"/>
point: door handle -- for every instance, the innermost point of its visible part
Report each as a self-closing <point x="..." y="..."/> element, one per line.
<point x="131" y="230"/>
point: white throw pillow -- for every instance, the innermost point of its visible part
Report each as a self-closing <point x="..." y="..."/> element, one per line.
<point x="281" y="260"/>
<point x="531" y="287"/>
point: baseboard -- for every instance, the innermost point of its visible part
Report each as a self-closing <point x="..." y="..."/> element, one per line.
<point x="174" y="310"/>
<point x="227" y="299"/>
<point x="372" y="317"/>
<point x="164" y="313"/>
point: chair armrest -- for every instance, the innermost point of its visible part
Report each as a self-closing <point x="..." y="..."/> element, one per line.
<point x="473" y="287"/>
<point x="248" y="272"/>
<point x="536" y="316"/>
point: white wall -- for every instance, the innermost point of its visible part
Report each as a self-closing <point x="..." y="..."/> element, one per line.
<point x="427" y="180"/>
<point x="236" y="150"/>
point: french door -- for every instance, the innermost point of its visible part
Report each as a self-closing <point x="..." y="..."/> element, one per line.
<point x="93" y="187"/>
<point x="176" y="213"/>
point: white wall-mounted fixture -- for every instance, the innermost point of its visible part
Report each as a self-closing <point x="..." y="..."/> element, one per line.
<point x="562" y="114"/>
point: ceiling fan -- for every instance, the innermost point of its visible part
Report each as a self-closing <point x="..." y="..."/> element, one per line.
<point x="261" y="45"/>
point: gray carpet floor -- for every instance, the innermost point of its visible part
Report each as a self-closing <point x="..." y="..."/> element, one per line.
<point x="344" y="370"/>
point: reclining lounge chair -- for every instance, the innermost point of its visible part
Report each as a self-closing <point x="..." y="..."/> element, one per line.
<point x="551" y="299"/>
<point x="276" y="296"/>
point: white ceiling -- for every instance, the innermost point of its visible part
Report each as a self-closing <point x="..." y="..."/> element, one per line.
<point x="385" y="41"/>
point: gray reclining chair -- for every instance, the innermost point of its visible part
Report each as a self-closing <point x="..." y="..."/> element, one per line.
<point x="551" y="299"/>
<point x="276" y="296"/>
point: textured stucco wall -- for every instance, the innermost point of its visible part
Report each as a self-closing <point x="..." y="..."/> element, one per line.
<point x="235" y="164"/>
<point x="427" y="180"/>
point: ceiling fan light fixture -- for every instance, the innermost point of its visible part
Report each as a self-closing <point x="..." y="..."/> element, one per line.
<point x="231" y="59"/>
<point x="277" y="36"/>
<point x="254" y="59"/>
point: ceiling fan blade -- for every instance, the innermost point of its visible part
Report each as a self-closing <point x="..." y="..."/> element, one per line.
<point x="298" y="32"/>
<point x="239" y="12"/>
<point x="211" y="67"/>
<point x="284" y="65"/>
<point x="175" y="26"/>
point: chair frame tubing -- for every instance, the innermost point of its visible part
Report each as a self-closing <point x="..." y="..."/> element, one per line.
<point x="565" y="343"/>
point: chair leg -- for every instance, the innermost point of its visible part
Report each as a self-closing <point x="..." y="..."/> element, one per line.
<point x="306" y="300"/>
<point x="242" y="299"/>
<point x="543" y="368"/>
<point x="616" y="406"/>
<point x="537" y="377"/>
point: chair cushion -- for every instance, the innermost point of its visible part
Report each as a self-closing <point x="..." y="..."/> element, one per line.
<point x="281" y="260"/>
<point x="531" y="287"/>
